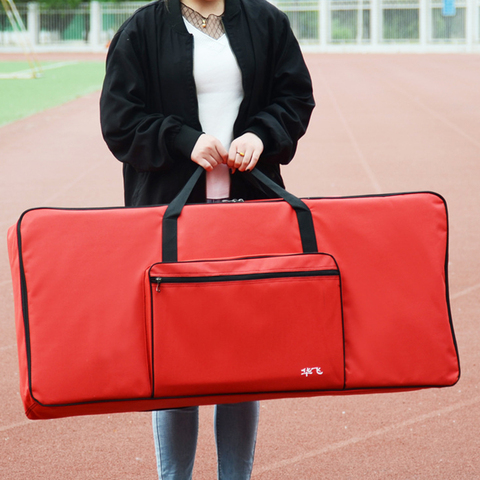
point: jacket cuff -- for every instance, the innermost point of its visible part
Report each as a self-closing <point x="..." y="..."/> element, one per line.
<point x="185" y="140"/>
<point x="262" y="134"/>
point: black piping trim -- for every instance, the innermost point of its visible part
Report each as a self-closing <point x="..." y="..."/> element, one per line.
<point x="241" y="394"/>
<point x="250" y="257"/>
<point x="343" y="326"/>
<point x="152" y="327"/>
<point x="447" y="288"/>
<point x="24" y="293"/>
<point x="266" y="200"/>
<point x="376" y="195"/>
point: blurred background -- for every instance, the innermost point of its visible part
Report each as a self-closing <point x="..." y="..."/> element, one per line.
<point x="320" y="25"/>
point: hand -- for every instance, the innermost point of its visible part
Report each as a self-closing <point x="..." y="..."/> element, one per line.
<point x="244" y="152"/>
<point x="209" y="152"/>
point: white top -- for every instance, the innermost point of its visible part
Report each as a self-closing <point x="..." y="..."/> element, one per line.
<point x="219" y="91"/>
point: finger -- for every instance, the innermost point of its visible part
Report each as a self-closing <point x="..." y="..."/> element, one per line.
<point x="206" y="165"/>
<point x="213" y="160"/>
<point x="240" y="158"/>
<point x="232" y="153"/>
<point x="246" y="160"/>
<point x="208" y="162"/>
<point x="220" y="154"/>
<point x="236" y="161"/>
<point x="253" y="162"/>
<point x="210" y="149"/>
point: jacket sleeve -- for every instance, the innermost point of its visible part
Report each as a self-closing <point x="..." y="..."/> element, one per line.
<point x="133" y="131"/>
<point x="284" y="120"/>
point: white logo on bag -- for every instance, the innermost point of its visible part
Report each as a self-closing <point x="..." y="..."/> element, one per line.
<point x="311" y="370"/>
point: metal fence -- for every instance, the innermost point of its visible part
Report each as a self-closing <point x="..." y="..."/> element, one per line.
<point x="321" y="25"/>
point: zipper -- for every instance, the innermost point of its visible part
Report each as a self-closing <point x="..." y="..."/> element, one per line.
<point x="240" y="277"/>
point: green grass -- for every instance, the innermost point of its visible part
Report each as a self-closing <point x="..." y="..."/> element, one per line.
<point x="60" y="83"/>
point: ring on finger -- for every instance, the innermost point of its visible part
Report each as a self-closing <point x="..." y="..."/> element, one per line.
<point x="241" y="154"/>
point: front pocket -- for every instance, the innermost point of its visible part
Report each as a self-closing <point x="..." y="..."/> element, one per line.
<point x="247" y="325"/>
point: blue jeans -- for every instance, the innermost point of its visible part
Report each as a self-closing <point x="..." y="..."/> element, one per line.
<point x="176" y="430"/>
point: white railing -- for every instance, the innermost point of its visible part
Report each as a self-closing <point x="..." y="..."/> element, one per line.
<point x="320" y="25"/>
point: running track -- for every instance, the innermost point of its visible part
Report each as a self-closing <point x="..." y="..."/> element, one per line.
<point x="383" y="124"/>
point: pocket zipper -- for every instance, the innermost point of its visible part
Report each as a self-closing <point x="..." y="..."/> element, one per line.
<point x="241" y="277"/>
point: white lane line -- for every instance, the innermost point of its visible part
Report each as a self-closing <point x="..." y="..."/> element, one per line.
<point x="432" y="112"/>
<point x="28" y="72"/>
<point x="15" y="425"/>
<point x="7" y="347"/>
<point x="466" y="291"/>
<point x="69" y="185"/>
<point x="363" y="160"/>
<point x="368" y="436"/>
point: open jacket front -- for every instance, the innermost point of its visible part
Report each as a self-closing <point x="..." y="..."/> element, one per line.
<point x="149" y="110"/>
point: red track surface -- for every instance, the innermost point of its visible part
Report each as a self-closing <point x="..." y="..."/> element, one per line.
<point x="382" y="124"/>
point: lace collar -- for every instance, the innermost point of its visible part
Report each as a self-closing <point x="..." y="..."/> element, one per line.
<point x="211" y="25"/>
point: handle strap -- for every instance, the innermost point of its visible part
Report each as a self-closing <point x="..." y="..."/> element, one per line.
<point x="173" y="211"/>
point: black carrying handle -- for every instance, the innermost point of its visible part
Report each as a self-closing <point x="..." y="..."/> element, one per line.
<point x="173" y="211"/>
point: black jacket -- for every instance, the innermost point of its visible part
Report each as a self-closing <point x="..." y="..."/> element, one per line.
<point x="149" y="110"/>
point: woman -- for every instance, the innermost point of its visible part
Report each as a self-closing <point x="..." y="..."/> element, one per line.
<point x="216" y="83"/>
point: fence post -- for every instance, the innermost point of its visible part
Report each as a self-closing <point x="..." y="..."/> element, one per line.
<point x="323" y="24"/>
<point x="33" y="22"/>
<point x="95" y="24"/>
<point x="423" y="16"/>
<point x="476" y="22"/>
<point x="376" y="22"/>
<point x="359" y="21"/>
<point x="471" y="27"/>
<point x="469" y="24"/>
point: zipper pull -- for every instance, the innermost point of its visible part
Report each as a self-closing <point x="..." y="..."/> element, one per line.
<point x="158" y="280"/>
